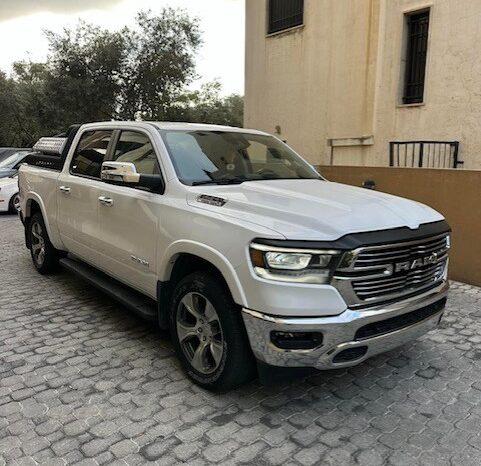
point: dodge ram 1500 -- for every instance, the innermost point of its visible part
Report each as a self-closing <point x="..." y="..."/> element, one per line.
<point x="231" y="240"/>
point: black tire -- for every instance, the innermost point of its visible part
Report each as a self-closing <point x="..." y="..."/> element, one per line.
<point x="46" y="262"/>
<point x="237" y="364"/>
<point x="11" y="205"/>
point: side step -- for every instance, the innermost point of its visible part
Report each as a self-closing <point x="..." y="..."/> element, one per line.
<point x="131" y="299"/>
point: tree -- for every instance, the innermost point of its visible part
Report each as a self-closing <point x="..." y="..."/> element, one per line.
<point x="8" y="126"/>
<point x="208" y="106"/>
<point x="92" y="74"/>
<point x="85" y="72"/>
<point x="136" y="72"/>
<point x="159" y="64"/>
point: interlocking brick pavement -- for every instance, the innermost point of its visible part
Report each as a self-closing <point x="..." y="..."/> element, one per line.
<point x="83" y="381"/>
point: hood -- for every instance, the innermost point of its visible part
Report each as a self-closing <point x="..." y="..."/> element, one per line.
<point x="313" y="209"/>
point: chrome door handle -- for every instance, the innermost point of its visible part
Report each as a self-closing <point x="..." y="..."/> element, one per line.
<point x="106" y="200"/>
<point x="64" y="189"/>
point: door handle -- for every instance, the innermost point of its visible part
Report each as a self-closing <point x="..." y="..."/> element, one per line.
<point x="64" y="189"/>
<point x="106" y="200"/>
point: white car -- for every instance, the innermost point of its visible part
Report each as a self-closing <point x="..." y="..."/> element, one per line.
<point x="9" y="199"/>
<point x="231" y="240"/>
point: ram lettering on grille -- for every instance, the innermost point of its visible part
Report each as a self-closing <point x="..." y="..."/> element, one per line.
<point x="384" y="272"/>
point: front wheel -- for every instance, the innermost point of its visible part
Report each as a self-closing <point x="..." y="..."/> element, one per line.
<point x="209" y="334"/>
<point x="44" y="256"/>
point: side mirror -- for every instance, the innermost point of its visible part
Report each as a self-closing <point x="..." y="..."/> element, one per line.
<point x="369" y="184"/>
<point x="120" y="172"/>
<point x="125" y="173"/>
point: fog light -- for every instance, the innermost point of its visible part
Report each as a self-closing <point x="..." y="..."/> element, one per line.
<point x="296" y="340"/>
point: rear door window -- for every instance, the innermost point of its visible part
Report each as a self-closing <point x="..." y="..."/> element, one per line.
<point x="90" y="153"/>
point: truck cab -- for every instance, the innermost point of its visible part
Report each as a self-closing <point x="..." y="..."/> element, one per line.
<point x="237" y="245"/>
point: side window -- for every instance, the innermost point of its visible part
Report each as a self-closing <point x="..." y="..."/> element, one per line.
<point x="284" y="14"/>
<point x="90" y="153"/>
<point x="136" y="148"/>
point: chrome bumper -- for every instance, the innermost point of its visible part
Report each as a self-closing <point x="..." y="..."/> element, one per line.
<point x="339" y="332"/>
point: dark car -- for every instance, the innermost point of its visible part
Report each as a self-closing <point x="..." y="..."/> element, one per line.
<point x="10" y="160"/>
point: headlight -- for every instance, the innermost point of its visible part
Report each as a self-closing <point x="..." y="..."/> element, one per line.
<point x="287" y="260"/>
<point x="292" y="265"/>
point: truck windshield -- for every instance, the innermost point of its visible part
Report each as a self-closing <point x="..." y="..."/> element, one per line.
<point x="222" y="157"/>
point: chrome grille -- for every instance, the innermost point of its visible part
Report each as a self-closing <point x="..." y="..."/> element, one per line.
<point x="379" y="273"/>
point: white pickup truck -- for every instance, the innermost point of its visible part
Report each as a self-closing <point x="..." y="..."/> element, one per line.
<point x="236" y="244"/>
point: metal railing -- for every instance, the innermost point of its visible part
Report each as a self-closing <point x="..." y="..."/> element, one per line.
<point x="424" y="154"/>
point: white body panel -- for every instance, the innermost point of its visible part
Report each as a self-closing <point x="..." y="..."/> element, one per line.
<point x="8" y="189"/>
<point x="157" y="228"/>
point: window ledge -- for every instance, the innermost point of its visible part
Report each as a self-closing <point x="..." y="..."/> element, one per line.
<point x="286" y="31"/>
<point x="417" y="104"/>
<point x="352" y="141"/>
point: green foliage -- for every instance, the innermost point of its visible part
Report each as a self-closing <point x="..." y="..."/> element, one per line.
<point x="92" y="74"/>
<point x="208" y="106"/>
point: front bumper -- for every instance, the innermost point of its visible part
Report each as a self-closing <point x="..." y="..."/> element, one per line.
<point x="339" y="332"/>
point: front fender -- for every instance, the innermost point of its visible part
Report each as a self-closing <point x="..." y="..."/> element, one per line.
<point x="209" y="254"/>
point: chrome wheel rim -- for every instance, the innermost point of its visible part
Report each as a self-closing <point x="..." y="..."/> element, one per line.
<point x="38" y="244"/>
<point x="16" y="202"/>
<point x="200" y="333"/>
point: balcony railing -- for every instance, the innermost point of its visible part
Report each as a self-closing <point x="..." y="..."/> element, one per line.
<point x="424" y="154"/>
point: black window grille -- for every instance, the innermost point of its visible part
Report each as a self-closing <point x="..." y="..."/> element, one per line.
<point x="417" y="48"/>
<point x="285" y="14"/>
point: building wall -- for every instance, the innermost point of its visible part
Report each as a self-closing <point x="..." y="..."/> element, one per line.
<point x="303" y="82"/>
<point x="339" y="77"/>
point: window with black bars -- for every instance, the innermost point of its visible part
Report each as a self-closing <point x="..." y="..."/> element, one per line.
<point x="285" y="14"/>
<point x="416" y="53"/>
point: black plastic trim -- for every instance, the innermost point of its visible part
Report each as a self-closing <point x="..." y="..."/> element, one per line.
<point x="384" y="327"/>
<point x="355" y="240"/>
<point x="350" y="354"/>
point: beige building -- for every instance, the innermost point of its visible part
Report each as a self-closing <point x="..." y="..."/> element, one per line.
<point x="341" y="79"/>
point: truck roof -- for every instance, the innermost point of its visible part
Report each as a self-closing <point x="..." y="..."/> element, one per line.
<point x="171" y="125"/>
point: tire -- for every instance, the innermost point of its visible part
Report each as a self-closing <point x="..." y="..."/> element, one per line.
<point x="44" y="256"/>
<point x="210" y="339"/>
<point x="14" y="204"/>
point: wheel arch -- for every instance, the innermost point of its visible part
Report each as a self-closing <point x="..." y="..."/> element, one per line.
<point x="184" y="258"/>
<point x="34" y="204"/>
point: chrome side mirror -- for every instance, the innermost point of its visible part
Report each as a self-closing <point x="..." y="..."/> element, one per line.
<point x="120" y="172"/>
<point x="125" y="173"/>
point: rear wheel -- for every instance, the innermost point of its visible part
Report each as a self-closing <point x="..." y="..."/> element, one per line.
<point x="209" y="334"/>
<point x="44" y="256"/>
<point x="14" y="204"/>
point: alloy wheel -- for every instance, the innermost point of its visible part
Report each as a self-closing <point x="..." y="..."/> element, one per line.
<point x="16" y="202"/>
<point x="38" y="243"/>
<point x="200" y="333"/>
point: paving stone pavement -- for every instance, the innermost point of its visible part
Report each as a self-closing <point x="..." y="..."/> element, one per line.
<point x="83" y="381"/>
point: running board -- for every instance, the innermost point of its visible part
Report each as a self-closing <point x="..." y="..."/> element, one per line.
<point x="131" y="299"/>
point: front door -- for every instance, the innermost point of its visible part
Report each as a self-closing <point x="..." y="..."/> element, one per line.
<point x="78" y="190"/>
<point x="129" y="217"/>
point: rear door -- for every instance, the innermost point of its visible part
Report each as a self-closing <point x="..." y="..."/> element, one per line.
<point x="130" y="216"/>
<point x="78" y="189"/>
